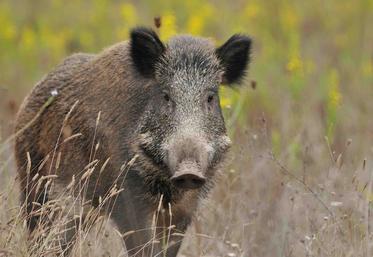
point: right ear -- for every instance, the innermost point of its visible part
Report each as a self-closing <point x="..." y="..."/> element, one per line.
<point x="146" y="49"/>
<point x="234" y="56"/>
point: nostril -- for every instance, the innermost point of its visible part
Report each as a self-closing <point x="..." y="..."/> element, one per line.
<point x="198" y="181"/>
<point x="188" y="181"/>
<point x="179" y="182"/>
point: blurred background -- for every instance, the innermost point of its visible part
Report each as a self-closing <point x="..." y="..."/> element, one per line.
<point x="299" y="179"/>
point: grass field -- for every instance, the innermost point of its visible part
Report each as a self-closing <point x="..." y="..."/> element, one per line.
<point x="299" y="179"/>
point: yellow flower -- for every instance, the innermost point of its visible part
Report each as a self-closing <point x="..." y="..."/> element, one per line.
<point x="129" y="17"/>
<point x="294" y="64"/>
<point x="252" y="10"/>
<point x="195" y="25"/>
<point x="367" y="68"/>
<point x="7" y="28"/>
<point x="333" y="101"/>
<point x="288" y="18"/>
<point x="28" y="39"/>
<point x="86" y="39"/>
<point x="225" y="102"/>
<point x="225" y="97"/>
<point x="335" y="96"/>
<point x="58" y="43"/>
<point x="128" y="13"/>
<point x="168" y="28"/>
<point x="198" y="17"/>
<point x="8" y="32"/>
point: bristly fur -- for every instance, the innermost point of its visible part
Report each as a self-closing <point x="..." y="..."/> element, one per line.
<point x="188" y="57"/>
<point x="157" y="102"/>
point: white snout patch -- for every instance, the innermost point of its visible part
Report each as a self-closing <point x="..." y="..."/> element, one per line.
<point x="226" y="141"/>
<point x="210" y="152"/>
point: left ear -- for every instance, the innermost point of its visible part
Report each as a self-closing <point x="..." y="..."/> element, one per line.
<point x="146" y="49"/>
<point x="234" y="56"/>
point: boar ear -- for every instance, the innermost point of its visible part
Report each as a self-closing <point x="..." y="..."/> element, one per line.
<point x="234" y="56"/>
<point x="146" y="49"/>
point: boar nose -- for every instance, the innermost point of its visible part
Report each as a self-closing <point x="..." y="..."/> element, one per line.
<point x="188" y="150"/>
<point x="188" y="176"/>
<point x="188" y="181"/>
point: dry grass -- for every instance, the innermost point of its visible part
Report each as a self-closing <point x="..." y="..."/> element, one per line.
<point x="317" y="203"/>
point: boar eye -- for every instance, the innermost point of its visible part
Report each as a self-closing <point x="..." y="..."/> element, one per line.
<point x="210" y="98"/>
<point x="166" y="97"/>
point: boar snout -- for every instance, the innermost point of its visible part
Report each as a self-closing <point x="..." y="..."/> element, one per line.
<point x="188" y="159"/>
<point x="188" y="176"/>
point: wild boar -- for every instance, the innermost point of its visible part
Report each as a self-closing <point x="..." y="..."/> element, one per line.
<point x="141" y="121"/>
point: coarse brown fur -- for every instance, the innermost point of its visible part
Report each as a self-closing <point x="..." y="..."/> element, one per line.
<point x="82" y="118"/>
